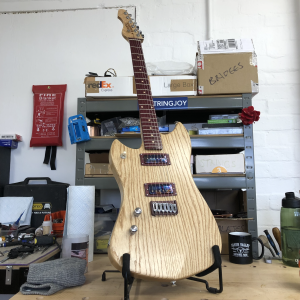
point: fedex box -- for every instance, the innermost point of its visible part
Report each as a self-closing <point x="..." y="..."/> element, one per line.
<point x="185" y="85"/>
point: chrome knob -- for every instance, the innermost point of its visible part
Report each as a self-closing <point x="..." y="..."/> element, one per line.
<point x="137" y="212"/>
<point x="138" y="27"/>
<point x="123" y="155"/>
<point x="133" y="229"/>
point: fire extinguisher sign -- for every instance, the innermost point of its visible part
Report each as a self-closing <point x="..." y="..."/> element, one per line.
<point x="46" y="121"/>
<point x="48" y="115"/>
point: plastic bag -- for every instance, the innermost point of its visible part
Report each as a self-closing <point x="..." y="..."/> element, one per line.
<point x="109" y="127"/>
<point x="128" y="122"/>
<point x="169" y="68"/>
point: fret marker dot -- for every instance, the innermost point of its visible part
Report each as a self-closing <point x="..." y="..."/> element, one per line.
<point x="150" y="127"/>
<point x="142" y="80"/>
<point x="152" y="141"/>
<point x="144" y="92"/>
<point x="138" y="57"/>
<point x="151" y="134"/>
<point x="140" y="69"/>
<point x="148" y="119"/>
<point x="142" y="106"/>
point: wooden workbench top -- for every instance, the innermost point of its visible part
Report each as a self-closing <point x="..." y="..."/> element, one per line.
<point x="259" y="281"/>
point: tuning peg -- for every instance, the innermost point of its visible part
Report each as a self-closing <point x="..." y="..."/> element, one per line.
<point x="130" y="15"/>
<point x="140" y="32"/>
<point x="137" y="27"/>
<point x="125" y="12"/>
<point x="143" y="36"/>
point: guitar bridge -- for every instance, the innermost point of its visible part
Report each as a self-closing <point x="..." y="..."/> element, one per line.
<point x="163" y="208"/>
<point x="160" y="189"/>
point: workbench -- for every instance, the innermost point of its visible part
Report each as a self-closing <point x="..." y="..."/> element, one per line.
<point x="241" y="282"/>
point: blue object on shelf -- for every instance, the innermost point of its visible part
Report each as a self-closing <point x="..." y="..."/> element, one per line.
<point x="78" y="130"/>
<point x="9" y="144"/>
<point x="131" y="129"/>
<point x="137" y="129"/>
<point x="163" y="128"/>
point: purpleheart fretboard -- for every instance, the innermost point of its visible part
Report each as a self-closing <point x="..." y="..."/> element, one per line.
<point x="149" y="126"/>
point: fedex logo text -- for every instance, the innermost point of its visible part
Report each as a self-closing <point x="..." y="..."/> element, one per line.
<point x="101" y="84"/>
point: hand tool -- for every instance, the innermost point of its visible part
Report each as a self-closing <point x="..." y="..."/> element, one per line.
<point x="277" y="235"/>
<point x="271" y="241"/>
<point x="11" y="255"/>
<point x="266" y="244"/>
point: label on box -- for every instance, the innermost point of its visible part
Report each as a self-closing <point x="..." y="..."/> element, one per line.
<point x="200" y="62"/>
<point x="183" y="85"/>
<point x="225" y="46"/>
<point x="200" y="89"/>
<point x="253" y="61"/>
<point x="255" y="87"/>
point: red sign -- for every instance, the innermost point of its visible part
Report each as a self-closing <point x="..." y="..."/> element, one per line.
<point x="48" y="115"/>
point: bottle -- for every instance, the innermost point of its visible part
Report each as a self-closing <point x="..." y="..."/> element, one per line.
<point x="290" y="229"/>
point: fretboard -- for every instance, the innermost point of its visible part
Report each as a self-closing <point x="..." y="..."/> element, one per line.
<point x="149" y="126"/>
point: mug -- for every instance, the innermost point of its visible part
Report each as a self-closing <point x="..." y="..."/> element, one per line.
<point x="240" y="248"/>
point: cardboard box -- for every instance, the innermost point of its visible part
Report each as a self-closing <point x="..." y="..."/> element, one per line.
<point x="224" y="163"/>
<point x="226" y="67"/>
<point x="97" y="169"/>
<point x="125" y="86"/>
<point x="226" y="226"/>
<point x="100" y="158"/>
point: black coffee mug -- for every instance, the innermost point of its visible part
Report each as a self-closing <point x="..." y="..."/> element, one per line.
<point x="240" y="248"/>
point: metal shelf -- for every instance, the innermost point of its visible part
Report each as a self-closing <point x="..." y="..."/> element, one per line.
<point x="245" y="142"/>
<point x="194" y="102"/>
<point x="221" y="182"/>
<point x="103" y="143"/>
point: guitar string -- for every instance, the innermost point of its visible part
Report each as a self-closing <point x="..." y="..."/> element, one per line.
<point x="148" y="102"/>
<point x="157" y="137"/>
<point x="158" y="143"/>
<point x="165" y="165"/>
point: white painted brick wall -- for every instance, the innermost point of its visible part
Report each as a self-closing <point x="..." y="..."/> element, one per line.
<point x="172" y="28"/>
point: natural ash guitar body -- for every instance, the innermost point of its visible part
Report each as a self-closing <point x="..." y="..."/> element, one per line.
<point x="165" y="247"/>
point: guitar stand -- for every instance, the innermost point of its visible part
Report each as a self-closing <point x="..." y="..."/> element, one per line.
<point x="217" y="265"/>
<point x="128" y="279"/>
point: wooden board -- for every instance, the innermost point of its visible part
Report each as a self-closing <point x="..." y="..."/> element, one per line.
<point x="165" y="247"/>
<point x="36" y="257"/>
<point x="258" y="281"/>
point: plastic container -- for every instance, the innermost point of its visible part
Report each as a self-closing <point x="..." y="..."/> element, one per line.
<point x="58" y="228"/>
<point x="76" y="245"/>
<point x="103" y="226"/>
<point x="47" y="227"/>
<point x="290" y="229"/>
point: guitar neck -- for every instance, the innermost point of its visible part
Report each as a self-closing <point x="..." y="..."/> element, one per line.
<point x="149" y="126"/>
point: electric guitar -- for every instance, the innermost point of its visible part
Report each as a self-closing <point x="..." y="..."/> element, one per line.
<point x="164" y="223"/>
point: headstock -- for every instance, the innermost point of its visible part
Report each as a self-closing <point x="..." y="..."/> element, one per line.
<point x="130" y="30"/>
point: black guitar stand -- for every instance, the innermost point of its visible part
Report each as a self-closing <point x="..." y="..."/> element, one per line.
<point x="128" y="279"/>
<point x="217" y="265"/>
